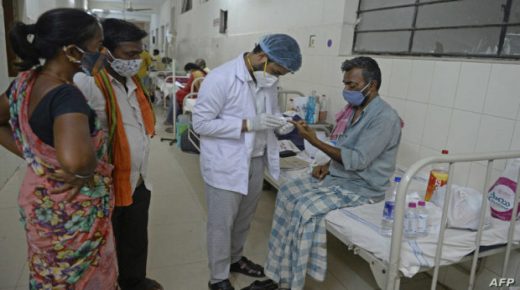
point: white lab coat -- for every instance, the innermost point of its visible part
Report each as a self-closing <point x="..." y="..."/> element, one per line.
<point x="224" y="100"/>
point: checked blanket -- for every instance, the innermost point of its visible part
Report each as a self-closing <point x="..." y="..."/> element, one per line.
<point x="297" y="244"/>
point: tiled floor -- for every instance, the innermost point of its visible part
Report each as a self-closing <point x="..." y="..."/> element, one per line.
<point x="177" y="253"/>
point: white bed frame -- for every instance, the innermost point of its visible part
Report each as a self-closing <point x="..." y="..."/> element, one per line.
<point x="386" y="274"/>
<point x="392" y="275"/>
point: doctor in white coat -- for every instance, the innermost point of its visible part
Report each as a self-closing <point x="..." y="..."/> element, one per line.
<point x="236" y="115"/>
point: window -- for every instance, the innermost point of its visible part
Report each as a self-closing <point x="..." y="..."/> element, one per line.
<point x="223" y="21"/>
<point x="473" y="28"/>
<point x="186" y="6"/>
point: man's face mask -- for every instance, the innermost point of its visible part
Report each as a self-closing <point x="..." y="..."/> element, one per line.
<point x="124" y="67"/>
<point x="355" y="98"/>
<point x="263" y="78"/>
<point x="91" y="62"/>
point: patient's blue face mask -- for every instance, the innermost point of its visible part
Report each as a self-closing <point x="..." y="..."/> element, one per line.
<point x="355" y="98"/>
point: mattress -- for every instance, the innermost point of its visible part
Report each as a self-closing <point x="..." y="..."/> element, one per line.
<point x="361" y="226"/>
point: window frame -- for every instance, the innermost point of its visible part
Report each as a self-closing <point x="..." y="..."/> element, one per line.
<point x="498" y="55"/>
<point x="187" y="5"/>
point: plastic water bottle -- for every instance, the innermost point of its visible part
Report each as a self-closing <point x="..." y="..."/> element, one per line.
<point x="311" y="108"/>
<point x="323" y="109"/>
<point x="422" y="219"/>
<point x="410" y="221"/>
<point x="388" y="211"/>
<point x="316" y="110"/>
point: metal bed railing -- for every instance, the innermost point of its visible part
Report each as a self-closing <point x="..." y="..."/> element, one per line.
<point x="284" y="94"/>
<point x="393" y="277"/>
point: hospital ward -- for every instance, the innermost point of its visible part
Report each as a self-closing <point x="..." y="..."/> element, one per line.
<point x="259" y="145"/>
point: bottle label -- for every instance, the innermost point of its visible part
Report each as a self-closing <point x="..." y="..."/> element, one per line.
<point x="422" y="223"/>
<point x="501" y="198"/>
<point x="437" y="180"/>
<point x="388" y="211"/>
<point x="410" y="224"/>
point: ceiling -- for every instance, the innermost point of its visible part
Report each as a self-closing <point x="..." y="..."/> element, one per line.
<point x="114" y="8"/>
<point x="119" y="4"/>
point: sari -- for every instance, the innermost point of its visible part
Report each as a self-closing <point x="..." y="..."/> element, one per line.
<point x="70" y="242"/>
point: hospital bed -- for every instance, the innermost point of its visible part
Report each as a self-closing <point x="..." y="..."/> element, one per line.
<point x="164" y="82"/>
<point x="168" y="85"/>
<point x="187" y="108"/>
<point x="283" y="95"/>
<point x="391" y="258"/>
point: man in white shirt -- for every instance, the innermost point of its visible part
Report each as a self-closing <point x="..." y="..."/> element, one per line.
<point x="236" y="114"/>
<point x="125" y="113"/>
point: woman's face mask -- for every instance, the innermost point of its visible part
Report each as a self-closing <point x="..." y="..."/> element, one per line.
<point x="91" y="62"/>
<point x="125" y="67"/>
<point x="355" y="98"/>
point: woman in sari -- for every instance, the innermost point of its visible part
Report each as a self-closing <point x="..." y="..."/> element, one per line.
<point x="65" y="199"/>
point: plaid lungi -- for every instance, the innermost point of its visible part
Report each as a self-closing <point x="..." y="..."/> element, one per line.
<point x="297" y="244"/>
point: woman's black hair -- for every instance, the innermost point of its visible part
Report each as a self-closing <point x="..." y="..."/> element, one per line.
<point x="117" y="31"/>
<point x="52" y="31"/>
<point x="190" y="65"/>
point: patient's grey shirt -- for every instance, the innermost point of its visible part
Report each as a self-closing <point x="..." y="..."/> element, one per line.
<point x="368" y="151"/>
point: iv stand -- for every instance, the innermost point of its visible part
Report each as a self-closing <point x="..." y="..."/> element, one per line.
<point x="174" y="105"/>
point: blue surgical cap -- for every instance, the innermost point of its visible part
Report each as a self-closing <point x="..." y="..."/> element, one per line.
<point x="282" y="49"/>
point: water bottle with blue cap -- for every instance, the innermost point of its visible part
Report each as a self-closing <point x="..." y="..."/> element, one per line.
<point x="388" y="211"/>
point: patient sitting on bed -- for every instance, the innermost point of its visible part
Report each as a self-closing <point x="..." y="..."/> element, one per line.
<point x="361" y="165"/>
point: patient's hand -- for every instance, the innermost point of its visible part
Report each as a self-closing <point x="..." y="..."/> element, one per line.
<point x="305" y="131"/>
<point x="320" y="171"/>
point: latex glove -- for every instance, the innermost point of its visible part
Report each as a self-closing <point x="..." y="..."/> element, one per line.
<point x="285" y="129"/>
<point x="265" y="121"/>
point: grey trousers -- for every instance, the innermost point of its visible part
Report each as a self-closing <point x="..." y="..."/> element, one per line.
<point x="229" y="218"/>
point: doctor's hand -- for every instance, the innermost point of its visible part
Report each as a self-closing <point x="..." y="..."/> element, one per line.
<point x="319" y="172"/>
<point x="265" y="121"/>
<point x="305" y="131"/>
<point x="285" y="129"/>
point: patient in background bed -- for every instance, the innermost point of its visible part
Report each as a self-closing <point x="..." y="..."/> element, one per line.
<point x="194" y="74"/>
<point x="361" y="165"/>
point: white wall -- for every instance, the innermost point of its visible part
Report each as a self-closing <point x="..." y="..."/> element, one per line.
<point x="163" y="21"/>
<point x="8" y="162"/>
<point x="464" y="105"/>
<point x="197" y="36"/>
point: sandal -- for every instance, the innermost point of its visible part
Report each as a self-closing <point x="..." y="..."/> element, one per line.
<point x="153" y="285"/>
<point x="262" y="285"/>
<point x="246" y="267"/>
<point x="222" y="285"/>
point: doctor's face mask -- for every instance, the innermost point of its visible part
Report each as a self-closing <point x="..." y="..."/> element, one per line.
<point x="266" y="75"/>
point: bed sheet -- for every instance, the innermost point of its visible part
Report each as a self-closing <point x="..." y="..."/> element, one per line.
<point x="362" y="225"/>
